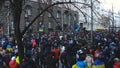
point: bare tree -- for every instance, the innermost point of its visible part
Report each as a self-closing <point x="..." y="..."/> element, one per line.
<point x="105" y="21"/>
<point x="17" y="6"/>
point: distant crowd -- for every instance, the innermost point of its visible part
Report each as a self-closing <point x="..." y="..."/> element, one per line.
<point x="62" y="50"/>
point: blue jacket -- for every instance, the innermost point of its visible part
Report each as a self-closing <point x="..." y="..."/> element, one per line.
<point x="81" y="64"/>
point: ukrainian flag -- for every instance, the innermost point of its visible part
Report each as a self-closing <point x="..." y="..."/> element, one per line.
<point x="41" y="30"/>
<point x="98" y="64"/>
<point x="9" y="47"/>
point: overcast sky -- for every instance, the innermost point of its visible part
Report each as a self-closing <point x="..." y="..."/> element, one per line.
<point x="108" y="4"/>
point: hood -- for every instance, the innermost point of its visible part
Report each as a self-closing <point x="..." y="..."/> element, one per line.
<point x="81" y="64"/>
<point x="98" y="62"/>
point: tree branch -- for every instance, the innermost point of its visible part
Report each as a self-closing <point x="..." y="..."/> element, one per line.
<point x="23" y="32"/>
<point x="81" y="12"/>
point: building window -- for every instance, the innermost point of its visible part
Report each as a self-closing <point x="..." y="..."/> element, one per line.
<point x="49" y="25"/>
<point x="75" y="17"/>
<point x="28" y="11"/>
<point x="58" y="14"/>
<point x="69" y="19"/>
<point x="12" y="25"/>
<point x="65" y="18"/>
<point x="26" y="15"/>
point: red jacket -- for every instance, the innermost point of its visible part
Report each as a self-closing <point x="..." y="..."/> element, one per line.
<point x="13" y="64"/>
<point x="116" y="64"/>
<point x="56" y="53"/>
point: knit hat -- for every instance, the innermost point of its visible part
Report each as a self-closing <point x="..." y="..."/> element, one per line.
<point x="116" y="59"/>
<point x="13" y="58"/>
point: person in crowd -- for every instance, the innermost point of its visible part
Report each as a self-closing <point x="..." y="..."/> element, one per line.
<point x="17" y="59"/>
<point x="50" y="61"/>
<point x="33" y="43"/>
<point x="25" y="64"/>
<point x="110" y="63"/>
<point x="6" y="58"/>
<point x="98" y="63"/>
<point x="13" y="63"/>
<point x="89" y="60"/>
<point x="28" y="63"/>
<point x="116" y="63"/>
<point x="63" y="59"/>
<point x="42" y="57"/>
<point x="106" y="44"/>
<point x="1" y="61"/>
<point x="80" y="63"/>
<point x="56" y="53"/>
<point x="9" y="47"/>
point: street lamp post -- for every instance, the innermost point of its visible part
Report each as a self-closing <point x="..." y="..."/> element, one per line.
<point x="91" y="41"/>
<point x="8" y="18"/>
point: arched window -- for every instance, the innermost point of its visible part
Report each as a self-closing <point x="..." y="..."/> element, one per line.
<point x="49" y="25"/>
<point x="66" y="17"/>
<point x="75" y="17"/>
<point x="28" y="11"/>
<point x="69" y="19"/>
<point x="58" y="14"/>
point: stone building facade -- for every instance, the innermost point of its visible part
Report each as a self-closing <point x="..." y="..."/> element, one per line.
<point x="56" y="18"/>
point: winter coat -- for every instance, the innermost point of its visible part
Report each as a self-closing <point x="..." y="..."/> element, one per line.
<point x="56" y="53"/>
<point x="34" y="43"/>
<point x="63" y="58"/>
<point x="25" y="65"/>
<point x="50" y="61"/>
<point x="80" y="64"/>
<point x="28" y="64"/>
<point x="13" y="64"/>
<point x="116" y="64"/>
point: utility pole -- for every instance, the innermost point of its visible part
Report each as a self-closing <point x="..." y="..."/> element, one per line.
<point x="91" y="41"/>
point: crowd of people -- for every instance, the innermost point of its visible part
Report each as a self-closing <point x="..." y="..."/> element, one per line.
<point x="63" y="50"/>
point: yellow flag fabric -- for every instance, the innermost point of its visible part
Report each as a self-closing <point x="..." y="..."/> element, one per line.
<point x="98" y="66"/>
